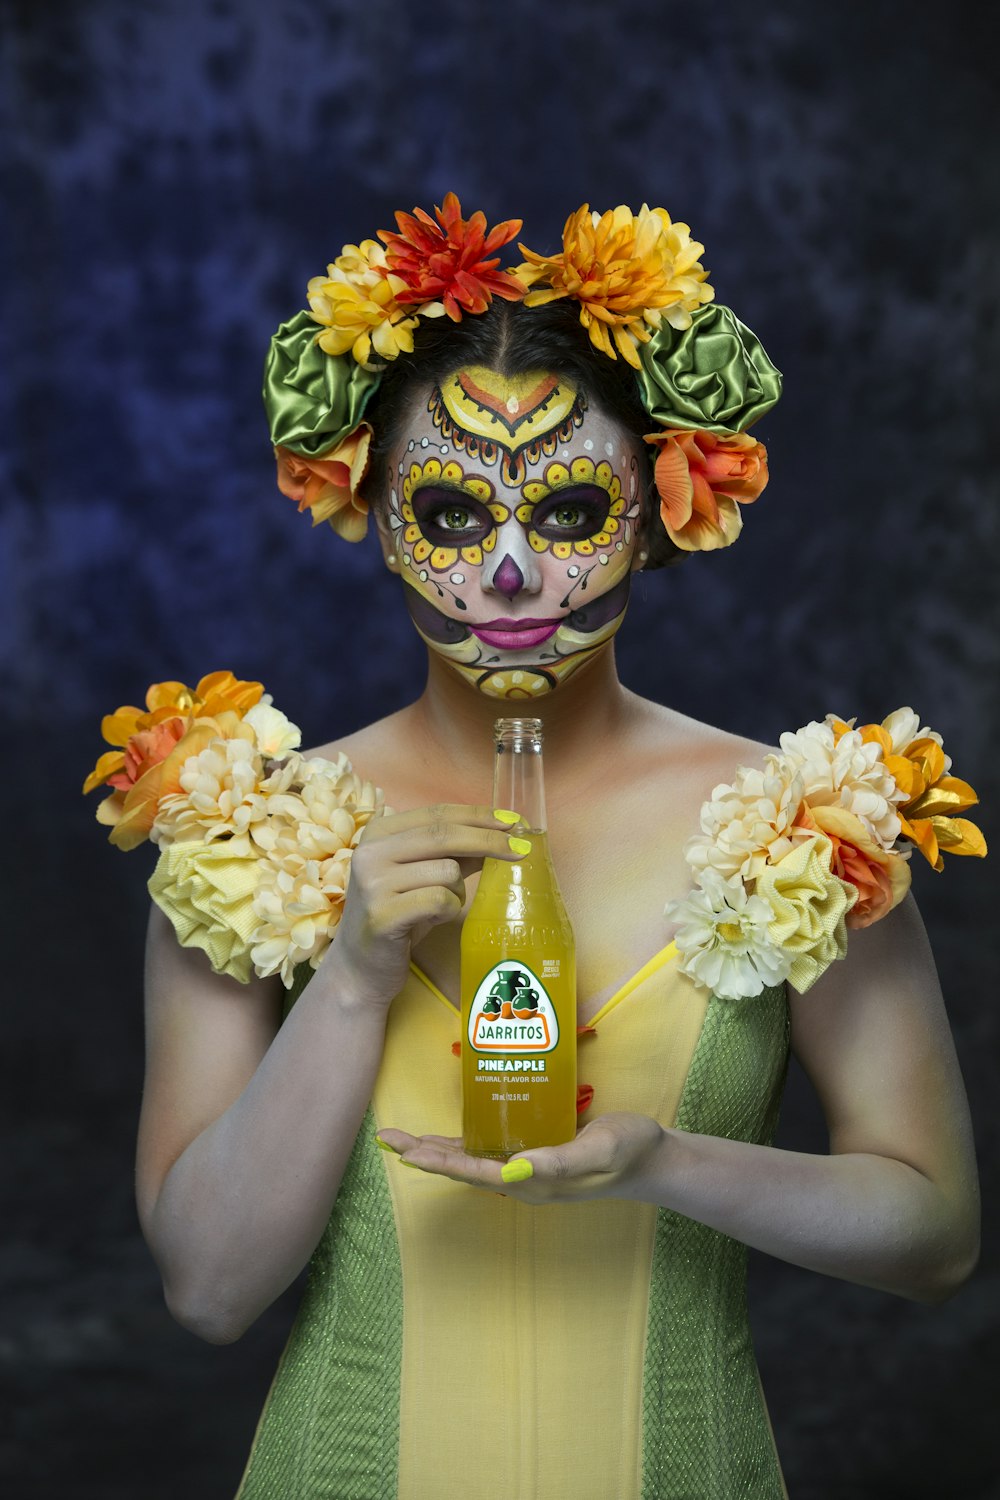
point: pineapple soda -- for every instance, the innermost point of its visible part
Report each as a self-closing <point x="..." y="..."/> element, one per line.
<point x="518" y="977"/>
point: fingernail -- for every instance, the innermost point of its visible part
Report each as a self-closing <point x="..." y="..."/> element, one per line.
<point x="519" y="846"/>
<point x="404" y="1163"/>
<point x="517" y="1171"/>
<point x="384" y="1145"/>
<point x="504" y="815"/>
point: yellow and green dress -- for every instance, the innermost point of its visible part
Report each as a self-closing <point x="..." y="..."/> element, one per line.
<point x="454" y="1342"/>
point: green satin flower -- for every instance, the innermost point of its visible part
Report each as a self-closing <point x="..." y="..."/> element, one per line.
<point x="313" y="399"/>
<point x="714" y="375"/>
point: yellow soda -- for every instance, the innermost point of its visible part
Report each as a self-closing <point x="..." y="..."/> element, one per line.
<point x="518" y="977"/>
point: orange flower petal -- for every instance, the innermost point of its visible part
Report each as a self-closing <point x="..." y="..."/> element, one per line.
<point x="959" y="836"/>
<point x="674" y="487"/>
<point x="119" y="727"/>
<point x="946" y="797"/>
<point x="928" y="756"/>
<point x="110" y="762"/>
<point x="922" y="834"/>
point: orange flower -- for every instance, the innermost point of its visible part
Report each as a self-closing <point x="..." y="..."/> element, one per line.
<point x="627" y="271"/>
<point x="149" y="739"/>
<point x="919" y="767"/>
<point x="145" y="749"/>
<point x="449" y="262"/>
<point x="700" y="477"/>
<point x="327" y="485"/>
<point x="131" y="814"/>
<point x="880" y="878"/>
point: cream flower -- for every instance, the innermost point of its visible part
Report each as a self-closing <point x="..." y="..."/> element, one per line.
<point x="206" y="890"/>
<point x="298" y="903"/>
<point x="748" y="823"/>
<point x="276" y="734"/>
<point x="809" y="904"/>
<point x="902" y="728"/>
<point x="220" y="794"/>
<point x="845" y="772"/>
<point x="725" y="939"/>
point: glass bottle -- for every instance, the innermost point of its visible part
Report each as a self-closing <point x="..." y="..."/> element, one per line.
<point x="518" y="976"/>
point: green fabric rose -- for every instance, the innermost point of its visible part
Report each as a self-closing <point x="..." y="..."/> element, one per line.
<point x="313" y="399"/>
<point x="714" y="375"/>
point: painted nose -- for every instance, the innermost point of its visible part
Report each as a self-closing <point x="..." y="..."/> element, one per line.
<point x="508" y="578"/>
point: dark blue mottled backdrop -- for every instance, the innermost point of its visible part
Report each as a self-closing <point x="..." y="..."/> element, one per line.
<point x="172" y="173"/>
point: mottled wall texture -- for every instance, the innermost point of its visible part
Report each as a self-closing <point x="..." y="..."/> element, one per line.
<point x="172" y="172"/>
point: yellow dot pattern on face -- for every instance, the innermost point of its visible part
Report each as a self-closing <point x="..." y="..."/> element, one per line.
<point x="450" y="475"/>
<point x="558" y="476"/>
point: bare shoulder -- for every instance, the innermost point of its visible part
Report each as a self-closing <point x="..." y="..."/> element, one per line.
<point x="672" y="751"/>
<point x="373" y="750"/>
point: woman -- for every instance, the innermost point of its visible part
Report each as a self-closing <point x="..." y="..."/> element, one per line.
<point x="571" y="1322"/>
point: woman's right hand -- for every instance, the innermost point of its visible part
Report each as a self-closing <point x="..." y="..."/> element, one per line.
<point x="407" y="876"/>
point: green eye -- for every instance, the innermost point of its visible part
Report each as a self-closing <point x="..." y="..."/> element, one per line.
<point x="566" y="515"/>
<point x="456" y="518"/>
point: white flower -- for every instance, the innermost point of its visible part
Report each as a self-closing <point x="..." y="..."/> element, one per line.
<point x="748" y="824"/>
<point x="845" y="773"/>
<point x="276" y="734"/>
<point x="299" y="903"/>
<point x="901" y="727"/>
<point x="723" y="939"/>
<point x="221" y="795"/>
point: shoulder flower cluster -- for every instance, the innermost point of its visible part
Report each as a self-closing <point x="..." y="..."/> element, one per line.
<point x="642" y="294"/>
<point x="790" y="857"/>
<point x="255" y="839"/>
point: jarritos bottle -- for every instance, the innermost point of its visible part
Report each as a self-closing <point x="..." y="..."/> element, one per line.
<point x="518" y="977"/>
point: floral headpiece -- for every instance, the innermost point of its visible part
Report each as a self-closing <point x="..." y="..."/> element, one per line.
<point x="703" y="376"/>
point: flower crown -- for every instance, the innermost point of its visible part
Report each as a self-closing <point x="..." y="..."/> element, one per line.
<point x="643" y="295"/>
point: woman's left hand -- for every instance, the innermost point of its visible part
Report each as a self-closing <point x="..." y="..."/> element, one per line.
<point x="606" y="1160"/>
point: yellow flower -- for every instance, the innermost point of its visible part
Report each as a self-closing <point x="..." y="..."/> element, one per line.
<point x="917" y="762"/>
<point x="356" y="300"/>
<point x="810" y="904"/>
<point x="628" y="271"/>
<point x="207" y="892"/>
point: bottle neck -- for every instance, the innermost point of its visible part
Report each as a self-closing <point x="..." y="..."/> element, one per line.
<point x="518" y="780"/>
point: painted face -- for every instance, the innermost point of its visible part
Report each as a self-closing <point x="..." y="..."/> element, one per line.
<point x="514" y="513"/>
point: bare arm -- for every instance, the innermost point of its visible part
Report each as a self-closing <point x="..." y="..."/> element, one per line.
<point x="247" y="1124"/>
<point x="893" y="1206"/>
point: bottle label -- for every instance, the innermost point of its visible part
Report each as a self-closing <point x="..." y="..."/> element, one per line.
<point x="512" y="1011"/>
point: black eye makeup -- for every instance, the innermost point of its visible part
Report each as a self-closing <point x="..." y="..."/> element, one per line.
<point x="571" y="514"/>
<point x="448" y="517"/>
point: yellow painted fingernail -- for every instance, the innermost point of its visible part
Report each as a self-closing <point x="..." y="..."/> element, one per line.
<point x="404" y="1163"/>
<point x="504" y="815"/>
<point x="519" y="846"/>
<point x="384" y="1145"/>
<point x="517" y="1171"/>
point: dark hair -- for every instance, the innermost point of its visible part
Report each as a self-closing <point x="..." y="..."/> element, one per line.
<point x="511" y="338"/>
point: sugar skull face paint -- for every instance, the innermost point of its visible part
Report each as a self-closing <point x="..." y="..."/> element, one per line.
<point x="514" y="512"/>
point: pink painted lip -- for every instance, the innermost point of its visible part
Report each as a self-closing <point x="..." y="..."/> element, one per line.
<point x="513" y="635"/>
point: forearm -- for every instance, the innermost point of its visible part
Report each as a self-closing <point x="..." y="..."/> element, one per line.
<point x="243" y="1207"/>
<point x="865" y="1218"/>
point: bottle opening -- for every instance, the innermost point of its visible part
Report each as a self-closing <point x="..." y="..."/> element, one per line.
<point x="518" y="734"/>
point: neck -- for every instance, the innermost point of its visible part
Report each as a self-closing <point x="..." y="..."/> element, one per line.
<point x="453" y="722"/>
